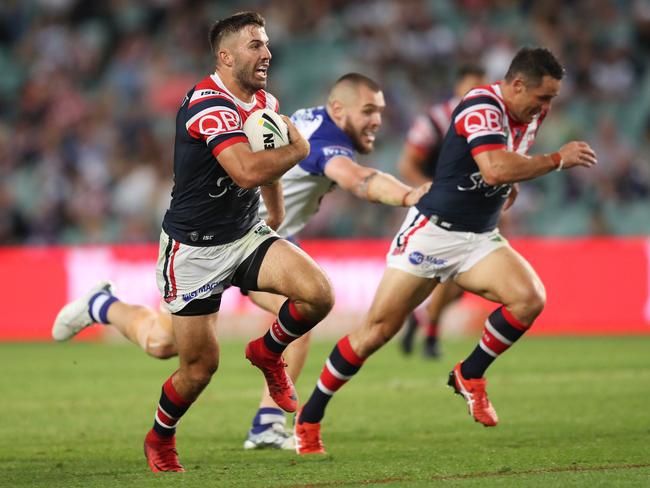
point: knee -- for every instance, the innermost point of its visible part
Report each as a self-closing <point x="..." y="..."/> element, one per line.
<point x="318" y="297"/>
<point x="532" y="302"/>
<point x="200" y="372"/>
<point x="161" y="351"/>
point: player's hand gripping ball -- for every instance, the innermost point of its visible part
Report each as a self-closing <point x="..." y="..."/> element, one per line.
<point x="265" y="129"/>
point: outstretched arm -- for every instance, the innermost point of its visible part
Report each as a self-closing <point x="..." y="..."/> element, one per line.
<point x="371" y="184"/>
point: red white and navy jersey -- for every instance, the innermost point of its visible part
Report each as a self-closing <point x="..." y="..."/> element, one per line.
<point x="459" y="196"/>
<point x="207" y="207"/>
<point x="427" y="133"/>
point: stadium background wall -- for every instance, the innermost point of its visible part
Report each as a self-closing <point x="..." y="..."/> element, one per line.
<point x="594" y="286"/>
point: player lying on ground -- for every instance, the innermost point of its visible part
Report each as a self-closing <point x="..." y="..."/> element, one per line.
<point x="451" y="234"/>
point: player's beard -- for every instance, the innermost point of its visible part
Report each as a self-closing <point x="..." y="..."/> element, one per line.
<point x="245" y="77"/>
<point x="355" y="135"/>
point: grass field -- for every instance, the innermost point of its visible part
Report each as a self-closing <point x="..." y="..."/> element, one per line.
<point x="574" y="412"/>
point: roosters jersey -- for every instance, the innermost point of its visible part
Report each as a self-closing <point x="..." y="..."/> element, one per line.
<point x="207" y="208"/>
<point x="459" y="197"/>
<point x="428" y="131"/>
<point x="305" y="184"/>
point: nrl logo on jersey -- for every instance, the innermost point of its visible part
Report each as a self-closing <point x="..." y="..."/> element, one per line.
<point x="476" y="182"/>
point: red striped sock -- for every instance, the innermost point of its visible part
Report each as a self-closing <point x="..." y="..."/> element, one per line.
<point x="501" y="331"/>
<point x="171" y="408"/>
<point x="341" y="365"/>
<point x="287" y="327"/>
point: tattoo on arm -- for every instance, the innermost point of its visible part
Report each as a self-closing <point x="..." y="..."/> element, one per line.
<point x="365" y="183"/>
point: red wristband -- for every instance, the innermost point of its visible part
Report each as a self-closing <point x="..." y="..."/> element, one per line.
<point x="557" y="160"/>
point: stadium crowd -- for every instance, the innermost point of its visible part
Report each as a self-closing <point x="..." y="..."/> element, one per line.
<point x="89" y="93"/>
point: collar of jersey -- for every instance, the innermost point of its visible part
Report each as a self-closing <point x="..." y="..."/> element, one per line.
<point x="246" y="106"/>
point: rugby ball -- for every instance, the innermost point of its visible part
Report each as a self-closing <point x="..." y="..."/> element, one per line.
<point x="265" y="129"/>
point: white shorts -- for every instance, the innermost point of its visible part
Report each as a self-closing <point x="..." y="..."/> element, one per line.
<point x="185" y="273"/>
<point x="424" y="249"/>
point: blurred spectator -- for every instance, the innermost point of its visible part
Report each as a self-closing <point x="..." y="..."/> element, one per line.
<point x="90" y="89"/>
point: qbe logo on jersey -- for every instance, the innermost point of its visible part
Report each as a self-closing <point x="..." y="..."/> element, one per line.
<point x="215" y="120"/>
<point x="480" y="120"/>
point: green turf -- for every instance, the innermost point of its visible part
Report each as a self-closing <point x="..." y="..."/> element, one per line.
<point x="574" y="412"/>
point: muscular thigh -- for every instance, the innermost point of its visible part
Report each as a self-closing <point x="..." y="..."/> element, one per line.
<point x="502" y="276"/>
<point x="289" y="271"/>
<point x="196" y="337"/>
<point x="397" y="295"/>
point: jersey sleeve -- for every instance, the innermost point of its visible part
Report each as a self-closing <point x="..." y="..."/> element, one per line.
<point x="480" y="121"/>
<point x="212" y="117"/>
<point x="324" y="154"/>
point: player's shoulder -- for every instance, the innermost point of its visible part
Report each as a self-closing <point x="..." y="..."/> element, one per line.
<point x="315" y="125"/>
<point x="207" y="94"/>
<point x="309" y="114"/>
<point x="484" y="94"/>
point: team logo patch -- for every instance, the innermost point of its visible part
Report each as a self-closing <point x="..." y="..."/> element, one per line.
<point x="418" y="259"/>
<point x="263" y="230"/>
<point x="213" y="121"/>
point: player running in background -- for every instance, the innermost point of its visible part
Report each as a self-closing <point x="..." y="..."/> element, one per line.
<point x="212" y="235"/>
<point x="336" y="133"/>
<point x="451" y="234"/>
<point x="417" y="165"/>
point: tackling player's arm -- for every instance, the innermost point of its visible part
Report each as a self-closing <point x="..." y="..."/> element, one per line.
<point x="274" y="202"/>
<point x="501" y="166"/>
<point x="371" y="184"/>
<point x="250" y="169"/>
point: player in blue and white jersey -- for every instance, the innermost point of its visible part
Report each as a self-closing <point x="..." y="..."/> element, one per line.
<point x="451" y="234"/>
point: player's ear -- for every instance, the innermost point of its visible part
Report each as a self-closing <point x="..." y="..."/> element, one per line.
<point x="338" y="110"/>
<point x="225" y="57"/>
<point x="518" y="84"/>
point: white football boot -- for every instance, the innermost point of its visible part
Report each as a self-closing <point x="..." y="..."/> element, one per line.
<point x="275" y="437"/>
<point x="75" y="316"/>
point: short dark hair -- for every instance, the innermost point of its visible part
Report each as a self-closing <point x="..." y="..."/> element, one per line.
<point x="231" y="25"/>
<point x="359" y="79"/>
<point x="469" y="69"/>
<point x="533" y="64"/>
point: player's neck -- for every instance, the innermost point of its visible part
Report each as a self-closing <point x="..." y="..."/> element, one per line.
<point x="235" y="88"/>
<point x="507" y="94"/>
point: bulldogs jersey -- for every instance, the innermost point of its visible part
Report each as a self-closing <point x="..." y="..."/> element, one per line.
<point x="305" y="184"/>
<point x="207" y="207"/>
<point x="428" y="131"/>
<point x="459" y="199"/>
